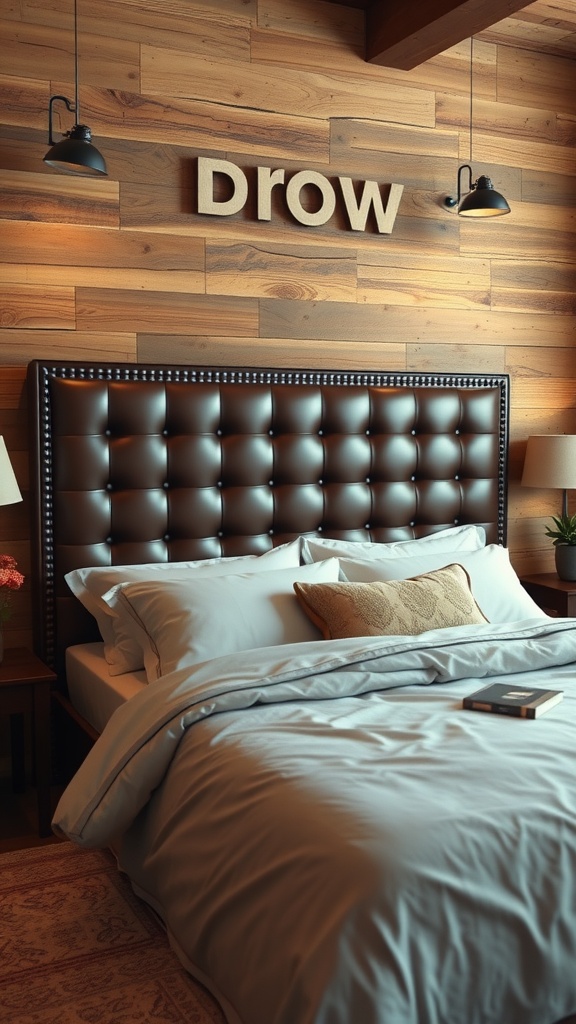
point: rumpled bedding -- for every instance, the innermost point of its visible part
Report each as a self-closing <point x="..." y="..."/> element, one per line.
<point x="331" y="839"/>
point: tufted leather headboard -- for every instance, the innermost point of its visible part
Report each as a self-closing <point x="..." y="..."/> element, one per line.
<point x="134" y="463"/>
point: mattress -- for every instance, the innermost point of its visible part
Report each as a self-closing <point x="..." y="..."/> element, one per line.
<point x="94" y="693"/>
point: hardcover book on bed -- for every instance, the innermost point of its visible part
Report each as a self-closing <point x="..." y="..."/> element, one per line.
<point x="520" y="702"/>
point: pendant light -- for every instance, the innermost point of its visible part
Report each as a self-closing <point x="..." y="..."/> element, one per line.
<point x="74" y="154"/>
<point x="481" y="199"/>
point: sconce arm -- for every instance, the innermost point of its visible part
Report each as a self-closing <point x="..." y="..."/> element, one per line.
<point x="450" y="201"/>
<point x="70" y="107"/>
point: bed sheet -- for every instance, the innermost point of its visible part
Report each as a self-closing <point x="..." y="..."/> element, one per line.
<point x="93" y="692"/>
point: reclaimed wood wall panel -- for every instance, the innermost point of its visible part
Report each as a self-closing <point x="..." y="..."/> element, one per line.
<point x="68" y="245"/>
<point x="525" y="79"/>
<point x="532" y="154"/>
<point x="24" y="305"/>
<point x="126" y="268"/>
<point x="507" y="118"/>
<point x="281" y="89"/>
<point x="206" y="125"/>
<point x="463" y="358"/>
<point x="535" y="275"/>
<point x="24" y="101"/>
<point x="362" y="145"/>
<point x="284" y="273"/>
<point x="131" y="18"/>
<point x="105" y="277"/>
<point x="342" y="25"/>
<point x="412" y="280"/>
<point x="23" y="345"/>
<point x="268" y="352"/>
<point x="65" y="200"/>
<point x="310" y="52"/>
<point x="547" y="187"/>
<point x="427" y="324"/>
<point x="543" y="231"/>
<point x="540" y="24"/>
<point x="124" y="309"/>
<point x="104" y="57"/>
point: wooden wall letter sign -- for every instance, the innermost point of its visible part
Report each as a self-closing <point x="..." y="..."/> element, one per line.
<point x="357" y="210"/>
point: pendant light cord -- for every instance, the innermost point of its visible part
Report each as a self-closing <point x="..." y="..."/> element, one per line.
<point x="76" y="104"/>
<point x="471" y="65"/>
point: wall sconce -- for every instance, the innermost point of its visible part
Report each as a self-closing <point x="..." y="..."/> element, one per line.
<point x="482" y="199"/>
<point x="74" y="154"/>
<point x="9" y="490"/>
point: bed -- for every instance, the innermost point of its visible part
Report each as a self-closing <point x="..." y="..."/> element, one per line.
<point x="267" y="593"/>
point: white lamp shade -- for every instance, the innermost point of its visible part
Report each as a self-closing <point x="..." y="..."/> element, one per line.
<point x="9" y="490"/>
<point x="550" y="461"/>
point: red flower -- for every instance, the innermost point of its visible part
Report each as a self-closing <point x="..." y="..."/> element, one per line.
<point x="10" y="579"/>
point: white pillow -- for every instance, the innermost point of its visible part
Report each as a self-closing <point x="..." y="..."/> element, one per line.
<point x="179" y="623"/>
<point x="95" y="588"/>
<point x="493" y="581"/>
<point x="455" y="538"/>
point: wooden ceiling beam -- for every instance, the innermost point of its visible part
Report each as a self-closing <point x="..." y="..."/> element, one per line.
<point x="406" y="33"/>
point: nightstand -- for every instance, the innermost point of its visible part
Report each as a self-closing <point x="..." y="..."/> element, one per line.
<point x="25" y="684"/>
<point x="551" y="593"/>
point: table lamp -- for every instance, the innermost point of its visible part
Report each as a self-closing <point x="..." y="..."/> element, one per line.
<point x="550" y="461"/>
<point x="9" y="490"/>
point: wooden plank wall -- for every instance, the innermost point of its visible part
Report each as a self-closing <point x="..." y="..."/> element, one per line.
<point x="125" y="268"/>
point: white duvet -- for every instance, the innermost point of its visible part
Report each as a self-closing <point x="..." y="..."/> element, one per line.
<point x="331" y="839"/>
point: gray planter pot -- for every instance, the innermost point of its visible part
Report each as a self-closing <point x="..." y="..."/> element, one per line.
<point x="565" y="555"/>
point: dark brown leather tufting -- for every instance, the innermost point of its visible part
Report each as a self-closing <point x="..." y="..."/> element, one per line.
<point x="149" y="463"/>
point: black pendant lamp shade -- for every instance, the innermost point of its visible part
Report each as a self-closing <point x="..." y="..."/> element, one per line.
<point x="481" y="200"/>
<point x="74" y="154"/>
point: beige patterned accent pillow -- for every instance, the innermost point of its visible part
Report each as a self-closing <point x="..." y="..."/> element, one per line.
<point x="434" y="600"/>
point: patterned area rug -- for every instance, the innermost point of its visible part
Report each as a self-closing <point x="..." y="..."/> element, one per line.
<point x="76" y="945"/>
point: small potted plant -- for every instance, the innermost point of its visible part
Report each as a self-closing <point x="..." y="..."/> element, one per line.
<point x="563" y="535"/>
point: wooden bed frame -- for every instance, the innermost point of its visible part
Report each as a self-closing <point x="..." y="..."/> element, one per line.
<point x="145" y="463"/>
